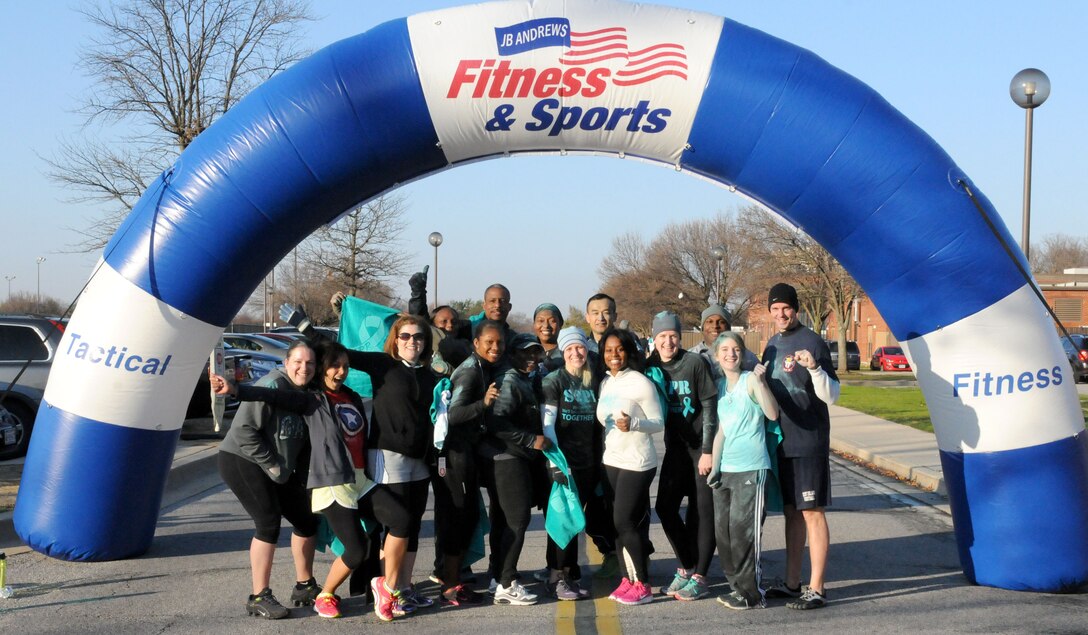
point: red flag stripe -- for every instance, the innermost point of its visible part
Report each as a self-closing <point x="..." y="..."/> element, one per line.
<point x="632" y="82"/>
<point x="627" y="72"/>
<point x="580" y="62"/>
<point x="596" y="51"/>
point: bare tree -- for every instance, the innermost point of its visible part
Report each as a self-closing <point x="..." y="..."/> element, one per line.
<point x="165" y="70"/>
<point x="361" y="252"/>
<point x="1058" y="252"/>
<point x="823" y="286"/>
<point x="676" y="271"/>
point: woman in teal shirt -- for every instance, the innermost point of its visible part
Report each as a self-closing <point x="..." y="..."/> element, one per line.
<point x="740" y="468"/>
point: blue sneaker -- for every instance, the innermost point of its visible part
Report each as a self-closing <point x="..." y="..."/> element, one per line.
<point x="679" y="581"/>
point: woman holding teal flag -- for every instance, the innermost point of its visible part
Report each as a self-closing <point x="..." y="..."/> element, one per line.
<point x="570" y="421"/>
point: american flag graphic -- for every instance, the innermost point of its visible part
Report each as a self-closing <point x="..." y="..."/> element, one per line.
<point x="648" y="64"/>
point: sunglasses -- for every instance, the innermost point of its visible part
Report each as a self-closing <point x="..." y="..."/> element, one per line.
<point x="404" y="337"/>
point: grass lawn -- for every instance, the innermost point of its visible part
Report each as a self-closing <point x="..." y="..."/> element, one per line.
<point x="901" y="405"/>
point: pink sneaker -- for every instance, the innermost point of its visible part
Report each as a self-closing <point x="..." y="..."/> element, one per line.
<point x="327" y="605"/>
<point x="383" y="599"/>
<point x="621" y="590"/>
<point x="638" y="593"/>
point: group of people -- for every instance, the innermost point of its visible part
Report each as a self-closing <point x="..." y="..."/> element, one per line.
<point x="519" y="412"/>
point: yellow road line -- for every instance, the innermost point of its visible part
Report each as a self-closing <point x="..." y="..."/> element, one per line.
<point x="608" y="619"/>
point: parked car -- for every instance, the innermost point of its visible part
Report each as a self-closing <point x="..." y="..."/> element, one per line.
<point x="890" y="358"/>
<point x="258" y="343"/>
<point x="28" y="345"/>
<point x="853" y="355"/>
<point x="1078" y="359"/>
<point x="285" y="337"/>
<point x="328" y="331"/>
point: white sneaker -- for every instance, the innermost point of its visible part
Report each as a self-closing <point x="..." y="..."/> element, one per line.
<point x="514" y="594"/>
<point x="494" y="585"/>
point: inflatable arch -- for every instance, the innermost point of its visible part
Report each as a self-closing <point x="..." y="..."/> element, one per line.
<point x="693" y="91"/>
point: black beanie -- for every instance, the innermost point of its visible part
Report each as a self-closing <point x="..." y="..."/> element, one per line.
<point x="783" y="292"/>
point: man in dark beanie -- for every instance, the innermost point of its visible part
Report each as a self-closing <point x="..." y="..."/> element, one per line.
<point x="803" y="381"/>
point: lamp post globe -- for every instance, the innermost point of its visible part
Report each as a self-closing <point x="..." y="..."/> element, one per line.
<point x="718" y="251"/>
<point x="435" y="239"/>
<point x="1029" y="89"/>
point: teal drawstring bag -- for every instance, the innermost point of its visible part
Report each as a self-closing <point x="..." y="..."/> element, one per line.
<point x="565" y="518"/>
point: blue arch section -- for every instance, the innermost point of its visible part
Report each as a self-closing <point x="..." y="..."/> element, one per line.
<point x="832" y="156"/>
<point x="775" y="121"/>
<point x="300" y="150"/>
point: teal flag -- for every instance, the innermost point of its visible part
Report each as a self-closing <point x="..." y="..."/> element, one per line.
<point x="363" y="327"/>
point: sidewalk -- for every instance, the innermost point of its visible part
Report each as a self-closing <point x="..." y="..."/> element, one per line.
<point x="908" y="453"/>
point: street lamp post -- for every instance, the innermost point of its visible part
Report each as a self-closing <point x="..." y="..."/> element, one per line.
<point x="719" y="253"/>
<point x="9" y="279"/>
<point x="1029" y="89"/>
<point x="40" y="260"/>
<point x="435" y="238"/>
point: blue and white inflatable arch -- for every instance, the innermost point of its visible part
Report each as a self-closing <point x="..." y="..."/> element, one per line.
<point x="690" y="90"/>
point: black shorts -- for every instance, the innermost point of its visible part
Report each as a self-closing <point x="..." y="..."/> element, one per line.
<point x="805" y="481"/>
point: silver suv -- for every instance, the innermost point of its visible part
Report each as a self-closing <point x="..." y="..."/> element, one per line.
<point x="28" y="345"/>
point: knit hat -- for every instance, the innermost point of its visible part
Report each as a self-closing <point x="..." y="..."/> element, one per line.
<point x="715" y="309"/>
<point x="783" y="292"/>
<point x="571" y="335"/>
<point x="547" y="306"/>
<point x="666" y="321"/>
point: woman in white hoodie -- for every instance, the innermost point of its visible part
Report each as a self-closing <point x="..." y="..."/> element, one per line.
<point x="630" y="410"/>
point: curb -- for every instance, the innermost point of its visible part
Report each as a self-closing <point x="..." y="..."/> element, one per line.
<point x="927" y="477"/>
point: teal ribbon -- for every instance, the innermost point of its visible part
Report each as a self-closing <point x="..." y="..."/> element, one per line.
<point x="688" y="408"/>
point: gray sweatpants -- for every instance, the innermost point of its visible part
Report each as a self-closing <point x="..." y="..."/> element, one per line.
<point x="739" y="510"/>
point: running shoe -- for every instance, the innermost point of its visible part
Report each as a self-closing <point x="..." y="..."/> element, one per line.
<point x="695" y="589"/>
<point x="514" y="594"/>
<point x="265" y="605"/>
<point x="565" y="591"/>
<point x="400" y="607"/>
<point x="737" y="602"/>
<point x="637" y="593"/>
<point x="415" y="598"/>
<point x="327" y="605"/>
<point x="458" y="595"/>
<point x="621" y="590"/>
<point x="305" y="593"/>
<point x="679" y="581"/>
<point x="810" y="599"/>
<point x="778" y="590"/>
<point x="383" y="599"/>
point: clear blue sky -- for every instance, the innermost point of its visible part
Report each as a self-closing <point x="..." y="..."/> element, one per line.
<point x="945" y="64"/>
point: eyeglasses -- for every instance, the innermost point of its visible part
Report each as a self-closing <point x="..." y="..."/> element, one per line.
<point x="404" y="337"/>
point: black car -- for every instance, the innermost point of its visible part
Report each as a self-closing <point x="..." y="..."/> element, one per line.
<point x="1078" y="356"/>
<point x="853" y="355"/>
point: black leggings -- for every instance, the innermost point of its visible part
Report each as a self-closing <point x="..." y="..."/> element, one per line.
<point x="631" y="514"/>
<point x="692" y="538"/>
<point x="413" y="497"/>
<point x="457" y="502"/>
<point x="378" y="505"/>
<point x="266" y="501"/>
<point x="511" y="492"/>
<point x="598" y="526"/>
